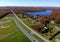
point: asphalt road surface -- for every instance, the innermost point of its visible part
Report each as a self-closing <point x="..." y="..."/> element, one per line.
<point x="25" y="32"/>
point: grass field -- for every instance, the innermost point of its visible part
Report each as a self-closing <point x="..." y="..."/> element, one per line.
<point x="11" y="33"/>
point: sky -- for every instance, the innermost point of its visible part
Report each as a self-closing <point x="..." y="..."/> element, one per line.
<point x="53" y="3"/>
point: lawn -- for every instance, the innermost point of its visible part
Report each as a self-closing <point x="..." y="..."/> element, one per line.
<point x="11" y="33"/>
<point x="39" y="39"/>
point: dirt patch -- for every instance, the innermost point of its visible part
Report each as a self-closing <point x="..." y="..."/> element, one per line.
<point x="5" y="26"/>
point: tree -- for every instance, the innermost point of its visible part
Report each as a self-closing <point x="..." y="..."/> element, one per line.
<point x="57" y="21"/>
<point x="54" y="35"/>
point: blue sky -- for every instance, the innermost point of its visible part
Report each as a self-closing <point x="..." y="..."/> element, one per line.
<point x="53" y="3"/>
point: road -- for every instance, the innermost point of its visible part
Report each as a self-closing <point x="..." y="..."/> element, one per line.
<point x="29" y="28"/>
<point x="5" y="21"/>
<point x="25" y="32"/>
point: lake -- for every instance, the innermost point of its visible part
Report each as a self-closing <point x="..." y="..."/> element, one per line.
<point x="40" y="13"/>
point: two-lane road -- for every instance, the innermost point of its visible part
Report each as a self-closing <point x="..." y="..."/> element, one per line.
<point x="25" y="32"/>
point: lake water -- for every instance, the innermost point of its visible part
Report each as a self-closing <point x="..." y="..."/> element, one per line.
<point x="40" y="13"/>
